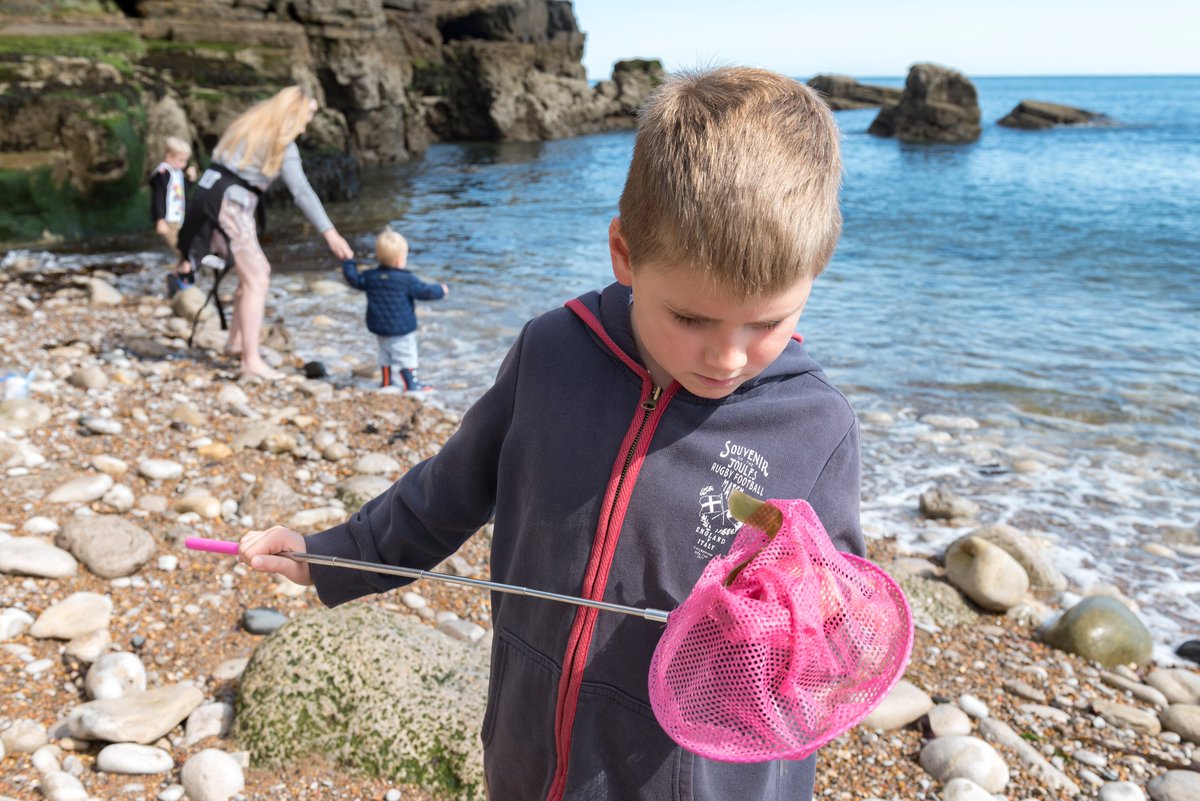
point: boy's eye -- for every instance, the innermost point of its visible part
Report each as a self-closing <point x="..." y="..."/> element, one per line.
<point x="769" y="325"/>
<point x="682" y="320"/>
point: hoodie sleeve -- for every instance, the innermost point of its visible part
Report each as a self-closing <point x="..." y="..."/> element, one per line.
<point x="835" y="495"/>
<point x="434" y="507"/>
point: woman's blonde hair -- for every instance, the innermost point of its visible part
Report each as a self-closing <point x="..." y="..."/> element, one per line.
<point x="262" y="133"/>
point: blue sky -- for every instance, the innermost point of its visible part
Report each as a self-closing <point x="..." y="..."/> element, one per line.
<point x="883" y="37"/>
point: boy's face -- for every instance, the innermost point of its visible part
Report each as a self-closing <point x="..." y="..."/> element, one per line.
<point x="691" y="333"/>
<point x="176" y="160"/>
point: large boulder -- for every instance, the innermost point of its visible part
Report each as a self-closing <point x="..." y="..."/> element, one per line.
<point x="1034" y="115"/>
<point x="938" y="105"/>
<point x="376" y="692"/>
<point x="1030" y="553"/>
<point x="1103" y="629"/>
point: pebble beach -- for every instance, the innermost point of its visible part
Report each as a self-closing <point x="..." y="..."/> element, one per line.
<point x="121" y="434"/>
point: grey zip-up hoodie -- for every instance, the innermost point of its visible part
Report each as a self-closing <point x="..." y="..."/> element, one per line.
<point x="605" y="486"/>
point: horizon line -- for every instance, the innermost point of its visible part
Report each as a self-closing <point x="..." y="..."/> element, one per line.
<point x="981" y="74"/>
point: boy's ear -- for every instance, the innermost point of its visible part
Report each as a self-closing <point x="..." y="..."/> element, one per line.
<point x="619" y="251"/>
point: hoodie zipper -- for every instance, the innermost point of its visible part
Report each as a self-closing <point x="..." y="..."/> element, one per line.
<point x="583" y="626"/>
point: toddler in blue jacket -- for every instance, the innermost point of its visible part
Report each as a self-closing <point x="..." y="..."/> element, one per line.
<point x="391" y="313"/>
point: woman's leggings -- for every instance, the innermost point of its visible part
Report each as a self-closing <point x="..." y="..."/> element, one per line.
<point x="250" y="263"/>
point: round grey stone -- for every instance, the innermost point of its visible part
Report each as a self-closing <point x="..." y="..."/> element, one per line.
<point x="376" y="464"/>
<point x="78" y="613"/>
<point x="946" y="720"/>
<point x="1121" y="791"/>
<point x="100" y="425"/>
<point x="904" y="704"/>
<point x="1184" y="720"/>
<point x="1175" y="785"/>
<point x="209" y="720"/>
<point x="160" y="469"/>
<point x="965" y="790"/>
<point x="133" y="759"/>
<point x="82" y="490"/>
<point x="212" y="775"/>
<point x="115" y="676"/>
<point x="1103" y="629"/>
<point x="24" y="737"/>
<point x="62" y="786"/>
<point x="957" y="757"/>
<point x="263" y="620"/>
<point x="31" y="556"/>
<point x="109" y="545"/>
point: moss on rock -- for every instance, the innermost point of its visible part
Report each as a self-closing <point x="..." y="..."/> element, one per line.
<point x="121" y="49"/>
<point x="93" y="183"/>
<point x="376" y="692"/>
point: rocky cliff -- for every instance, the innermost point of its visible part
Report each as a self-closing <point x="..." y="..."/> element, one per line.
<point x="86" y="97"/>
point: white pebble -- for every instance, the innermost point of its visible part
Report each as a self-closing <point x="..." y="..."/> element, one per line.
<point x="40" y="525"/>
<point x="172" y="792"/>
<point x="45" y="759"/>
<point x="972" y="706"/>
<point x="62" y="786"/>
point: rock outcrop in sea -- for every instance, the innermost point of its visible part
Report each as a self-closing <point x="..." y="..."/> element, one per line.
<point x="841" y="92"/>
<point x="87" y="94"/>
<point x="1036" y="115"/>
<point x="938" y="105"/>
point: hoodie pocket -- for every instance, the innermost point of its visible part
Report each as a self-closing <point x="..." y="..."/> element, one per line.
<point x="618" y="750"/>
<point x="518" y="726"/>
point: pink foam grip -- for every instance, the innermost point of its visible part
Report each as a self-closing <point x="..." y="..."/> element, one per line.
<point x="215" y="546"/>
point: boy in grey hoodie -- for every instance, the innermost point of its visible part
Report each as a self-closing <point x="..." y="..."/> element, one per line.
<point x="616" y="429"/>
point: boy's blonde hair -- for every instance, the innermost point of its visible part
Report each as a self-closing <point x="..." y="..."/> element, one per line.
<point x="391" y="248"/>
<point x="735" y="174"/>
<point x="264" y="131"/>
<point x="175" y="145"/>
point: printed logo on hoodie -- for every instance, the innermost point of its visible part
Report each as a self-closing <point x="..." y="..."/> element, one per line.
<point x="735" y="467"/>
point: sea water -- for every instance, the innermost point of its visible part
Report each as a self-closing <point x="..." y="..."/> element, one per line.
<point x="1045" y="285"/>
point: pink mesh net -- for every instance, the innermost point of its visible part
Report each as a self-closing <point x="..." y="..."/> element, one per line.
<point x="800" y="647"/>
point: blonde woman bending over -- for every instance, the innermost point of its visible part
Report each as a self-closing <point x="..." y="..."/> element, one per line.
<point x="225" y="215"/>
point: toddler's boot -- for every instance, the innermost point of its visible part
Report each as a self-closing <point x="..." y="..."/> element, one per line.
<point x="387" y="377"/>
<point x="411" y="384"/>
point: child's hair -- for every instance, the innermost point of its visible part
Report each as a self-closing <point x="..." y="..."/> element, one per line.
<point x="175" y="145"/>
<point x="264" y="131"/>
<point x="735" y="174"/>
<point x="391" y="248"/>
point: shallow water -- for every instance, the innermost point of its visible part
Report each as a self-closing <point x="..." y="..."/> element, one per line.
<point x="1042" y="283"/>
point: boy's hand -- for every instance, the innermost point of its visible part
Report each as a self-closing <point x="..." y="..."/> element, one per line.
<point x="445" y="290"/>
<point x="161" y="227"/>
<point x="190" y="172"/>
<point x="258" y="548"/>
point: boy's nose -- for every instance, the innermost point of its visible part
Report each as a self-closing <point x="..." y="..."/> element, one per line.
<point x="726" y="355"/>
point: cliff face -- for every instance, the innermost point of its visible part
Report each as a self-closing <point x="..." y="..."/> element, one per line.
<point x="86" y="99"/>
